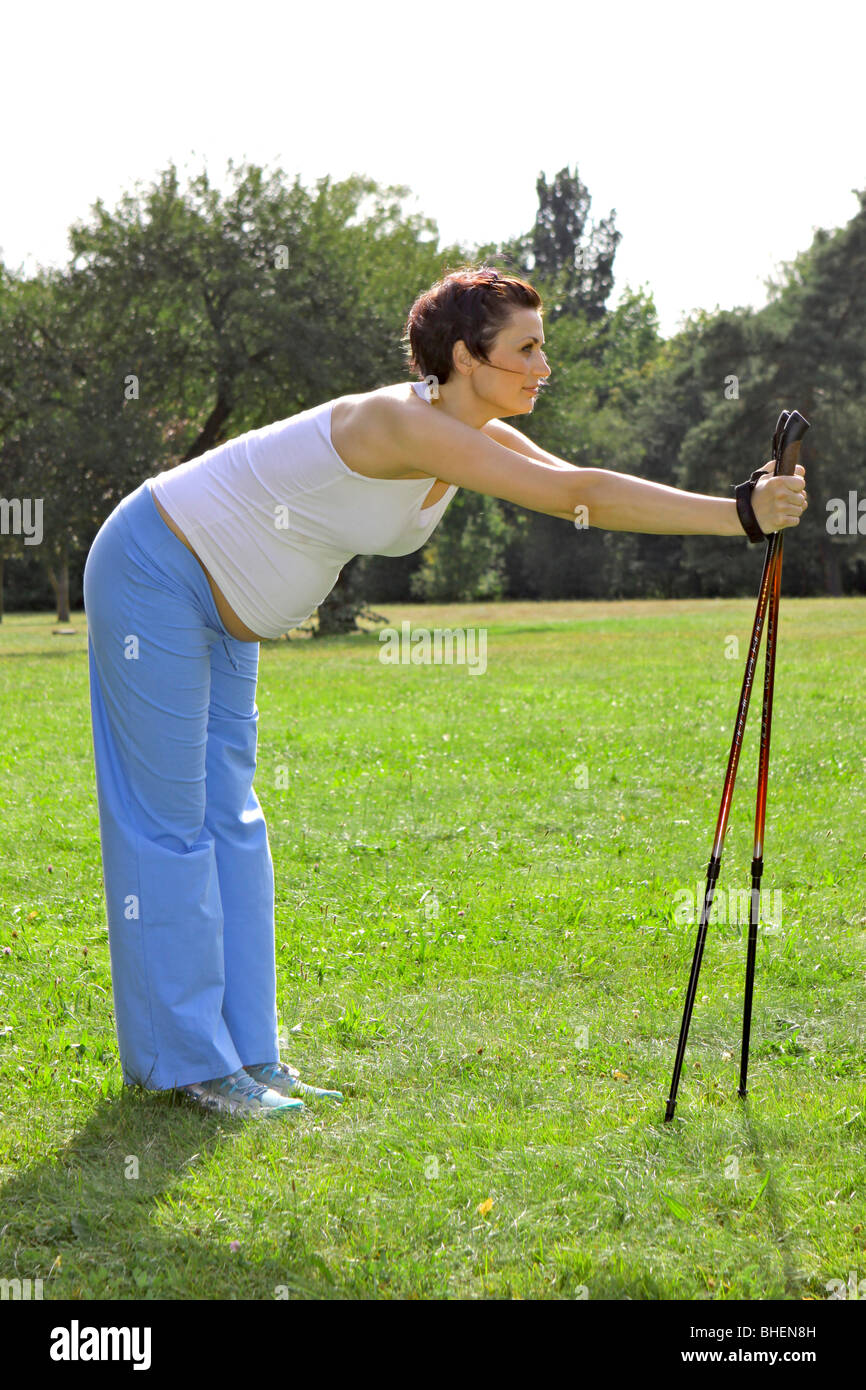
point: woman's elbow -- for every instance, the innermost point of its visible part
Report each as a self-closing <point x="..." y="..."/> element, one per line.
<point x="579" y="488"/>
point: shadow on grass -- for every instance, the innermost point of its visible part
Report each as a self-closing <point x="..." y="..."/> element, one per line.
<point x="793" y="1278"/>
<point x="81" y="1220"/>
<point x="64" y="655"/>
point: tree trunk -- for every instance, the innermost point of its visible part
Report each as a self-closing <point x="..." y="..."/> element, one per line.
<point x="60" y="584"/>
<point x="209" y="436"/>
<point x="337" y="612"/>
<point x="832" y="570"/>
<point x="1" y="588"/>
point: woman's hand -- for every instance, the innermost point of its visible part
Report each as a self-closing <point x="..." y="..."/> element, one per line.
<point x="779" y="502"/>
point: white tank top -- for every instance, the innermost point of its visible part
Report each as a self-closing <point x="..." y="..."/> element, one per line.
<point x="275" y="514"/>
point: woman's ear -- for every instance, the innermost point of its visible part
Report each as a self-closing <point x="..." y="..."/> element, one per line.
<point x="462" y="358"/>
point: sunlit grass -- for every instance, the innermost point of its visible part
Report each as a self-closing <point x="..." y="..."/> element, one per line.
<point x="477" y="941"/>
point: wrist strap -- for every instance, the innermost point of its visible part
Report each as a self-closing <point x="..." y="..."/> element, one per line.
<point x="748" y="520"/>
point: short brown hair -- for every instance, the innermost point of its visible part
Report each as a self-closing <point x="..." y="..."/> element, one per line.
<point x="468" y="304"/>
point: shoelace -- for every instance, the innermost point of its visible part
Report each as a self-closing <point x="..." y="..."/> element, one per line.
<point x="279" y="1071"/>
<point x="244" y="1083"/>
<point x="298" y="1087"/>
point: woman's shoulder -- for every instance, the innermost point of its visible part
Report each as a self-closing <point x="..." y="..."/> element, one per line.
<point x="362" y="425"/>
<point x="379" y="402"/>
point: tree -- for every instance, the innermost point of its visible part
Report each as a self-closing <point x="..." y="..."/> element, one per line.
<point x="572" y="262"/>
<point x="257" y="304"/>
<point x="63" y="427"/>
<point x="188" y="316"/>
<point x="816" y="323"/>
<point x="465" y="558"/>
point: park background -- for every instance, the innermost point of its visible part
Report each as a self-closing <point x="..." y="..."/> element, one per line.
<point x="187" y="315"/>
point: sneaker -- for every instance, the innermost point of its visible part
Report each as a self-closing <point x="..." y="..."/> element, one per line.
<point x="287" y="1081"/>
<point x="239" y="1094"/>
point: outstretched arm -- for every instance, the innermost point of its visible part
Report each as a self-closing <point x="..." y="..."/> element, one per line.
<point x="626" y="503"/>
<point x="518" y="471"/>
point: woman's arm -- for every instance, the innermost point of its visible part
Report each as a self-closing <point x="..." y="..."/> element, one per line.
<point x="445" y="448"/>
<point x="628" y="508"/>
<point x="515" y="439"/>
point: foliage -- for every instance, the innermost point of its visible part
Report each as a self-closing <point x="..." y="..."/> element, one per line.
<point x="188" y="315"/>
<point x="465" y="558"/>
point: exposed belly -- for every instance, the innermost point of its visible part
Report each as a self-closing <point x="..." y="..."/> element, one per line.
<point x="226" y="612"/>
<point x="234" y="624"/>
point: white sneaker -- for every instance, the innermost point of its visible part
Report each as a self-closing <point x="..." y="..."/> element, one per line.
<point x="287" y="1080"/>
<point x="239" y="1094"/>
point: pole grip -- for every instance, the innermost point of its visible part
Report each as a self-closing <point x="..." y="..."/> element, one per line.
<point x="790" y="429"/>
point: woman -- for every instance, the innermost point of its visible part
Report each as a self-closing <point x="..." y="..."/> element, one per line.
<point x="201" y="563"/>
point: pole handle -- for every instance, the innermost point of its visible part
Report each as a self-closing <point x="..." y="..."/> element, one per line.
<point x="790" y="428"/>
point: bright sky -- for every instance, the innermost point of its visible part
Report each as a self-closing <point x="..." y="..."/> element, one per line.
<point x="688" y="118"/>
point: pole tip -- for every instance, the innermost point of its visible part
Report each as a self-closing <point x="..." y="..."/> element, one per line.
<point x="669" y="1112"/>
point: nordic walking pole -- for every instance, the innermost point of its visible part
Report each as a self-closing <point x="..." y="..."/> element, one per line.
<point x="786" y="451"/>
<point x="721" y="827"/>
<point x="730" y="775"/>
<point x="760" y="810"/>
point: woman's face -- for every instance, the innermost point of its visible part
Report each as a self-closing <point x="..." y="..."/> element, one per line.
<point x="510" y="380"/>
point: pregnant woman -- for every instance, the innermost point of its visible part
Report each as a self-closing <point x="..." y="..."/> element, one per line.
<point x="202" y="562"/>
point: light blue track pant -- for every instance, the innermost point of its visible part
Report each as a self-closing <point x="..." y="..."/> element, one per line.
<point x="189" y="881"/>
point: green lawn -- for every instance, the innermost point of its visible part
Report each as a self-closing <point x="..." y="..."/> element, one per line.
<point x="478" y="941"/>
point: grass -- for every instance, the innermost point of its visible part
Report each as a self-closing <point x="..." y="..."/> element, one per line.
<point x="478" y="941"/>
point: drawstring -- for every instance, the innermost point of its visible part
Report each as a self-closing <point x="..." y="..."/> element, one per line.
<point x="230" y="655"/>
